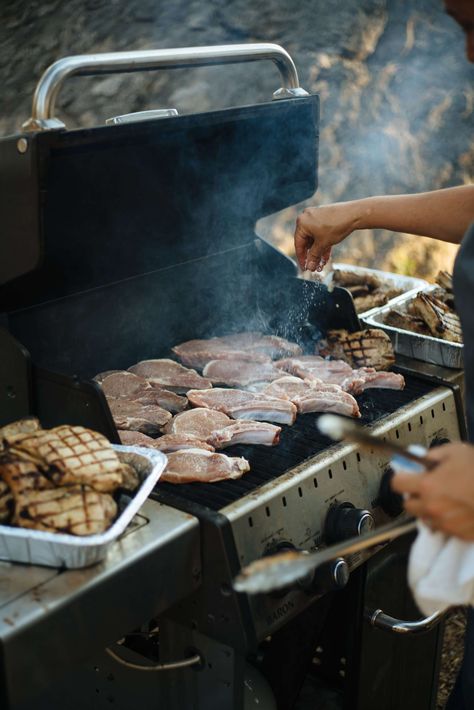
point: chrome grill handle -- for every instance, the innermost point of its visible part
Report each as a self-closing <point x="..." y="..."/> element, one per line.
<point x="380" y="620"/>
<point x="48" y="87"/>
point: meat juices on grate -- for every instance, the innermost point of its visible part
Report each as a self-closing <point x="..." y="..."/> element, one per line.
<point x="146" y="418"/>
<point x="197" y="465"/>
<point x="245" y="432"/>
<point x="170" y="375"/>
<point x="121" y="384"/>
<point x="200" y="422"/>
<point x="371" y="347"/>
<point x="239" y="373"/>
<point x="72" y="454"/>
<point x="254" y="347"/>
<point x="313" y="396"/>
<point x="72" y="509"/>
<point x="245" y="405"/>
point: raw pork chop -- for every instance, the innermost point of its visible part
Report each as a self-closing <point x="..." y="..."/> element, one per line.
<point x="167" y="443"/>
<point x="313" y="367"/>
<point x="238" y="373"/>
<point x="147" y="418"/>
<point x="367" y="378"/>
<point x="254" y="347"/>
<point x="244" y="432"/>
<point x="199" y="465"/>
<point x="121" y="384"/>
<point x="170" y="375"/>
<point x="200" y="423"/>
<point x="313" y="396"/>
<point x="245" y="405"/>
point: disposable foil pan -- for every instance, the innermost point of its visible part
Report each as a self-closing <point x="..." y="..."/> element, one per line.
<point x="72" y="551"/>
<point x="408" y="284"/>
<point x="415" y="345"/>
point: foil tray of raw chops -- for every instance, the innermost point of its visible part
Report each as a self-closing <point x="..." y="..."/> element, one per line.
<point x="67" y="494"/>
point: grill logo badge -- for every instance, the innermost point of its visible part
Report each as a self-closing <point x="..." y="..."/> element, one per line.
<point x="280" y="612"/>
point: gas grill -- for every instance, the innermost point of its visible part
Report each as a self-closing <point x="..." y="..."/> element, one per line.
<point x="141" y="235"/>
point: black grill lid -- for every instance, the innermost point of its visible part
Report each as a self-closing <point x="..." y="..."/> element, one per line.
<point x="119" y="201"/>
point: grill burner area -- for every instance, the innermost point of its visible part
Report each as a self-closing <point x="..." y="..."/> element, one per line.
<point x="297" y="443"/>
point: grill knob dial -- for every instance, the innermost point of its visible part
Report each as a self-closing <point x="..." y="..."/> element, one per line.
<point x="344" y="521"/>
<point x="390" y="502"/>
<point x="330" y="577"/>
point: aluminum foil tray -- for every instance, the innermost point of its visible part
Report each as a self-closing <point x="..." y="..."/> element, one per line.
<point x="71" y="551"/>
<point x="415" y="345"/>
<point x="409" y="284"/>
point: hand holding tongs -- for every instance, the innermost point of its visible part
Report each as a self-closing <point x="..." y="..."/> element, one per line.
<point x="282" y="569"/>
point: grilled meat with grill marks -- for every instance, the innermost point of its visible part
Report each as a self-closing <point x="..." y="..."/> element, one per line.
<point x="71" y="509"/>
<point x="253" y="347"/>
<point x="69" y="455"/>
<point x="238" y="373"/>
<point x="245" y="405"/>
<point x="23" y="426"/>
<point x="6" y="502"/>
<point x="194" y="465"/>
<point x="365" y="348"/>
<point x="146" y="418"/>
<point x="353" y="278"/>
<point x="445" y="280"/>
<point x="170" y="375"/>
<point x="405" y="321"/>
<point x="441" y="321"/>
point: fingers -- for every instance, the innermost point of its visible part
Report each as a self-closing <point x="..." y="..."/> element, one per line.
<point x="302" y="243"/>
<point x="407" y="483"/>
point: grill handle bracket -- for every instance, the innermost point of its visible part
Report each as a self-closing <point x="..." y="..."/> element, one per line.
<point x="380" y="620"/>
<point x="48" y="87"/>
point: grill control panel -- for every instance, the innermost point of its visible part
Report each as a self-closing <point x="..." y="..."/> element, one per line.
<point x="339" y="493"/>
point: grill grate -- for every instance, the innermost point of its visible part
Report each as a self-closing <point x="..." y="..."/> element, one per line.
<point x="297" y="443"/>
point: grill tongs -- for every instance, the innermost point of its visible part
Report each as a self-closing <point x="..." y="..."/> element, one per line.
<point x="285" y="568"/>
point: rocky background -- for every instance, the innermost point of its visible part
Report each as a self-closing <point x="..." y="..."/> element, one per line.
<point x="397" y="92"/>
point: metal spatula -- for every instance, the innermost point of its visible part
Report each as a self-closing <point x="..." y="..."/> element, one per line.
<point x="284" y="568"/>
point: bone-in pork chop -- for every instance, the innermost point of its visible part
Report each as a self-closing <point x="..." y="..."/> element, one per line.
<point x="197" y="465"/>
<point x="200" y="422"/>
<point x="170" y="375"/>
<point x="238" y="373"/>
<point x="255" y="347"/>
<point x="245" y="432"/>
<point x="245" y="405"/>
<point x="121" y="384"/>
<point x="368" y="378"/>
<point x="166" y="443"/>
<point x="314" y="396"/>
<point x="147" y="418"/>
<point x="313" y="367"/>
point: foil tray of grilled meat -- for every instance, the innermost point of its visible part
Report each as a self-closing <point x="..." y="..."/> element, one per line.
<point x="372" y="288"/>
<point x="66" y="494"/>
<point x="424" y="326"/>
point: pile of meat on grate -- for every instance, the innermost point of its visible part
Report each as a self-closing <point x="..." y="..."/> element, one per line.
<point x="250" y="385"/>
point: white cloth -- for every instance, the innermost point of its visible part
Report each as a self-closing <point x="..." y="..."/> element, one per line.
<point x="441" y="568"/>
<point x="440" y="571"/>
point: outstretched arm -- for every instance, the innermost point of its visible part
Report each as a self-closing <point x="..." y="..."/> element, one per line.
<point x="441" y="214"/>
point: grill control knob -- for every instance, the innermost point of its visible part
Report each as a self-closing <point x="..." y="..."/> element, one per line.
<point x="440" y="441"/>
<point x="344" y="521"/>
<point x="330" y="577"/>
<point x="390" y="502"/>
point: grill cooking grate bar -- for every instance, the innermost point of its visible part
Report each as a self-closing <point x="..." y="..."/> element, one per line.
<point x="297" y="443"/>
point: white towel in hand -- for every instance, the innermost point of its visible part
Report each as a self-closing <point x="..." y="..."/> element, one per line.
<point x="440" y="571"/>
<point x="441" y="568"/>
